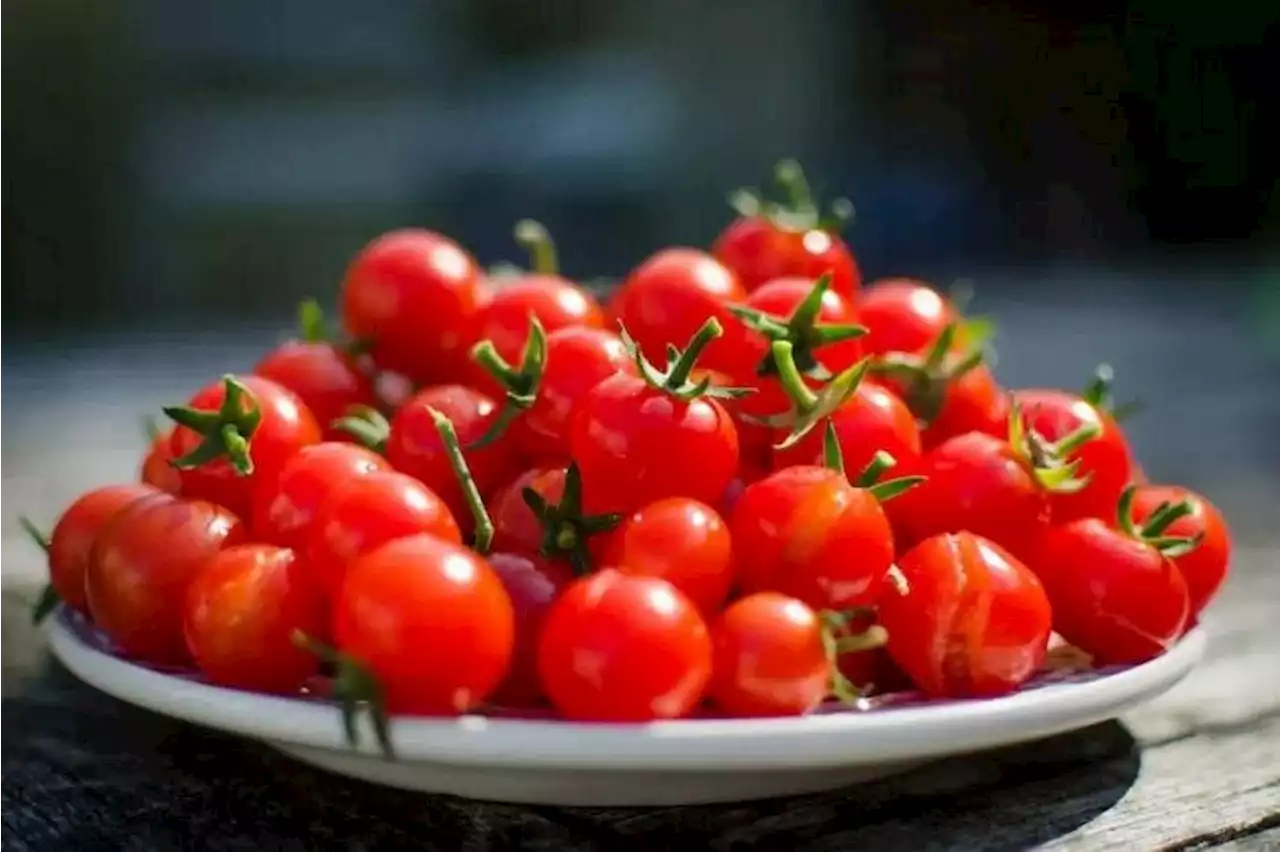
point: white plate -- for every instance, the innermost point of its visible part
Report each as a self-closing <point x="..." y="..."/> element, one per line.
<point x="665" y="763"/>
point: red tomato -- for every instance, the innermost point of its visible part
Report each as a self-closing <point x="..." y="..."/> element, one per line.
<point x="326" y="379"/>
<point x="1105" y="459"/>
<point x="667" y="298"/>
<point x="902" y="315"/>
<point x="556" y="302"/>
<point x="759" y="250"/>
<point x="73" y="538"/>
<point x="240" y="615"/>
<point x="770" y="658"/>
<point x="516" y="527"/>
<point x="144" y="564"/>
<point x="157" y="469"/>
<point x="780" y="298"/>
<point x="969" y="618"/>
<point x="1114" y="596"/>
<point x="623" y="648"/>
<point x="416" y="296"/>
<point x="1205" y="567"/>
<point x="684" y="542"/>
<point x="807" y="533"/>
<point x="533" y="584"/>
<point x="367" y="512"/>
<point x="872" y="420"/>
<point x="420" y="593"/>
<point x="285" y="426"/>
<point x="414" y="445"/>
<point x="285" y="507"/>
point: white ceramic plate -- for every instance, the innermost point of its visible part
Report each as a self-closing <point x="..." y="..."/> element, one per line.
<point x="666" y="763"/>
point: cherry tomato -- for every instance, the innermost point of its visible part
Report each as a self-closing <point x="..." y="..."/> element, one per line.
<point x="684" y="542"/>
<point x="157" y="469"/>
<point x="623" y="648"/>
<point x="73" y="538"/>
<point x="902" y="315"/>
<point x="367" y="512"/>
<point x="430" y="620"/>
<point x="240" y="615"/>
<point x="285" y="507"/>
<point x="760" y="250"/>
<point x="285" y="426"/>
<point x="770" y="659"/>
<point x="326" y="379"/>
<point x="665" y="300"/>
<point x="779" y="298"/>
<point x="872" y="420"/>
<point x="143" y="566"/>
<point x="533" y="583"/>
<point x="969" y="619"/>
<point x="1205" y="567"/>
<point x="807" y="533"/>
<point x="1114" y="596"/>
<point x="516" y="527"/>
<point x="415" y="295"/>
<point x="557" y="303"/>
<point x="1105" y="459"/>
<point x="414" y="446"/>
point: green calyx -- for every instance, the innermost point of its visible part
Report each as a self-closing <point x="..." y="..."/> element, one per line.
<point x="520" y="384"/>
<point x="838" y="637"/>
<point x="355" y="689"/>
<point x="1098" y="393"/>
<point x="925" y="378"/>
<point x="809" y="407"/>
<point x="565" y="528"/>
<point x="48" y="599"/>
<point x="483" y="537"/>
<point x="675" y="379"/>
<point x="797" y="210"/>
<point x="368" y="426"/>
<point x="802" y="330"/>
<point x="1050" y="462"/>
<point x="885" y="490"/>
<point x="226" y="432"/>
<point x="313" y="328"/>
<point x="1153" y="530"/>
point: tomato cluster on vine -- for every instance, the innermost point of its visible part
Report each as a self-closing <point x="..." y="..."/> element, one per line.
<point x="741" y="483"/>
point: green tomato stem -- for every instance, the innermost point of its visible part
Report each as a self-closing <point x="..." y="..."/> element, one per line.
<point x="678" y="376"/>
<point x="453" y="449"/>
<point x="542" y="249"/>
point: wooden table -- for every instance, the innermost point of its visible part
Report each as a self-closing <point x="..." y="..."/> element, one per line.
<point x="1197" y="768"/>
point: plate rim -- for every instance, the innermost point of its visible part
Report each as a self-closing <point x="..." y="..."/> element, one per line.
<point x="904" y="733"/>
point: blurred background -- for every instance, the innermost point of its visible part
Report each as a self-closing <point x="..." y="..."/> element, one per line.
<point x="177" y="175"/>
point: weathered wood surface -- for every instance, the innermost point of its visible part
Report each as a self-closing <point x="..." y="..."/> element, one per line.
<point x="1198" y="768"/>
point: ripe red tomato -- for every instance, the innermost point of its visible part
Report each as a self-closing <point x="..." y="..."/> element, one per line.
<point x="420" y="593"/>
<point x="285" y="507"/>
<point x="1114" y="595"/>
<point x="367" y="512"/>
<point x="157" y="469"/>
<point x="533" y="583"/>
<point x="759" y="250"/>
<point x="325" y="378"/>
<point x="684" y="542"/>
<point x="969" y="619"/>
<point x="770" y="658"/>
<point x="143" y="565"/>
<point x="414" y="445"/>
<point x="1105" y="459"/>
<point x="556" y="302"/>
<point x="415" y="295"/>
<point x="903" y="315"/>
<point x="872" y="420"/>
<point x="623" y="648"/>
<point x="235" y="434"/>
<point x="516" y="527"/>
<point x="806" y="532"/>
<point x="240" y="615"/>
<point x="71" y="544"/>
<point x="666" y="299"/>
<point x="780" y="298"/>
<point x="1204" y="567"/>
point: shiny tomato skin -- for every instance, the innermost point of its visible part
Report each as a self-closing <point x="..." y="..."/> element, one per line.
<point x="779" y="298"/>
<point x="759" y="251"/>
<point x="156" y="469"/>
<point x="635" y="444"/>
<point x="769" y="658"/>
<point x="366" y="513"/>
<point x="1205" y="568"/>
<point x="72" y="541"/>
<point x="556" y="302"/>
<point x="666" y="299"/>
<point x="578" y="359"/>
<point x="416" y="295"/>
<point x="516" y="528"/>
<point x="971" y="403"/>
<point x="623" y="648"/>
<point x="240" y="615"/>
<point x="533" y="583"/>
<point x="1106" y="459"/>
<point x="420" y="593"/>
<point x="873" y="419"/>
<point x="415" y="447"/>
<point x="903" y="315"/>
<point x="683" y="541"/>
<point x="806" y="532"/>
<point x="969" y="620"/>
<point x="286" y="427"/>
<point x="326" y="379"/>
<point x="1114" y="597"/>
<point x="142" y="568"/>
<point x="285" y="507"/>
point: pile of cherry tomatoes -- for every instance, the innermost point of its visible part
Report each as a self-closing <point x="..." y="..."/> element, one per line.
<point x="744" y="484"/>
